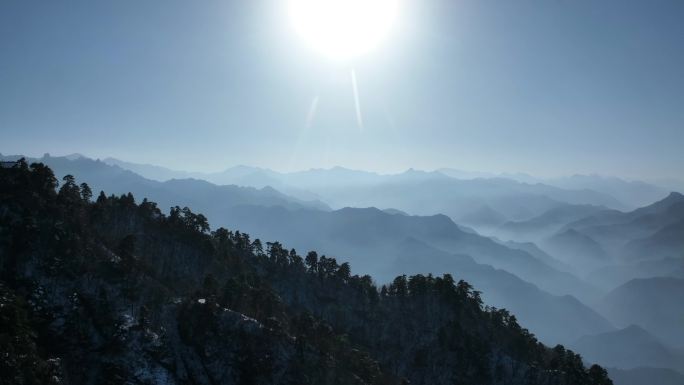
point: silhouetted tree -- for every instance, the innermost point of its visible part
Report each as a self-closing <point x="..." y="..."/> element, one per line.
<point x="150" y="209"/>
<point x="69" y="193"/>
<point x="127" y="200"/>
<point x="327" y="267"/>
<point x="186" y="218"/>
<point x="222" y="235"/>
<point x="312" y="261"/>
<point x="295" y="260"/>
<point x="599" y="376"/>
<point x="257" y="248"/>
<point x="417" y="284"/>
<point x="42" y="178"/>
<point x="399" y="286"/>
<point x="102" y="198"/>
<point x="344" y="271"/>
<point x="86" y="192"/>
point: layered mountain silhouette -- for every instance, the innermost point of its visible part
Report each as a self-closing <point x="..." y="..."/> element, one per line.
<point x="483" y="216"/>
<point x="632" y="193"/>
<point x="612" y="276"/>
<point x="629" y="348"/>
<point x="413" y="191"/>
<point x="114" y="291"/>
<point x="615" y="229"/>
<point x="547" y="238"/>
<point x="645" y="376"/>
<point x="652" y="303"/>
<point x="373" y="240"/>
<point x="548" y="223"/>
<point x="577" y="248"/>
<point x="534" y="250"/>
<point x="368" y="238"/>
<point x="211" y="198"/>
<point x="668" y="242"/>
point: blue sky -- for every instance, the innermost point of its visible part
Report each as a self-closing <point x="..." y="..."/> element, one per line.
<point x="544" y="87"/>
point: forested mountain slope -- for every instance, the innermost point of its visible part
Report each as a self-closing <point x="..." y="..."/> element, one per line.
<point x="363" y="234"/>
<point x="115" y="292"/>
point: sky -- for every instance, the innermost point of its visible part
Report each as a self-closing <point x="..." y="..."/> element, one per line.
<point x="551" y="87"/>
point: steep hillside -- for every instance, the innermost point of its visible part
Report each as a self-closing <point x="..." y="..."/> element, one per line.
<point x="363" y="234"/>
<point x="115" y="292"/>
<point x="668" y="242"/>
<point x="646" y="376"/>
<point x="615" y="230"/>
<point x="628" y="348"/>
<point x="610" y="277"/>
<point x="373" y="241"/>
<point x="577" y="249"/>
<point x="553" y="319"/>
<point x="652" y="303"/>
<point x="535" y="251"/>
<point x="547" y="223"/>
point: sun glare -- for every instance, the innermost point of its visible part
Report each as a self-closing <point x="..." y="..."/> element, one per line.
<point x="343" y="29"/>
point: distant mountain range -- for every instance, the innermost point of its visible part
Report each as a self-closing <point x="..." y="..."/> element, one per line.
<point x="374" y="240"/>
<point x="650" y="232"/>
<point x="114" y="292"/>
<point x="652" y="303"/>
<point x="631" y="193"/>
<point x="628" y="348"/>
<point x="577" y="249"/>
<point x="547" y="223"/>
<point x="413" y="191"/>
<point x="559" y="246"/>
<point x="646" y="376"/>
<point x="612" y="276"/>
<point x="384" y="245"/>
<point x="211" y="198"/>
<point x="590" y="238"/>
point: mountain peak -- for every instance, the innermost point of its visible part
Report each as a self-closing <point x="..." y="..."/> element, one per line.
<point x="675" y="196"/>
<point x="661" y="205"/>
<point x="636" y="330"/>
<point x="672" y="197"/>
<point x="74" y="156"/>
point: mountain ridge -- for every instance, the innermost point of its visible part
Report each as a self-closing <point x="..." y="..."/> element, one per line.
<point x="161" y="298"/>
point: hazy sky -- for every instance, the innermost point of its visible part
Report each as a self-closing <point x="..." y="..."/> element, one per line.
<point x="546" y="87"/>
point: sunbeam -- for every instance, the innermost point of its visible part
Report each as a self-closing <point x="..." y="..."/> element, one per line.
<point x="304" y="131"/>
<point x="312" y="112"/>
<point x="357" y="103"/>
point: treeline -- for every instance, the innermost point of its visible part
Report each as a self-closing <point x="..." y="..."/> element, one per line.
<point x="328" y="310"/>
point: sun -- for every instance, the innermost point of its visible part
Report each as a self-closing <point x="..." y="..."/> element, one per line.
<point x="343" y="29"/>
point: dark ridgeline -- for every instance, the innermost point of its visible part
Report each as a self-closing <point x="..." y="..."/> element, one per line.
<point x="114" y="292"/>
